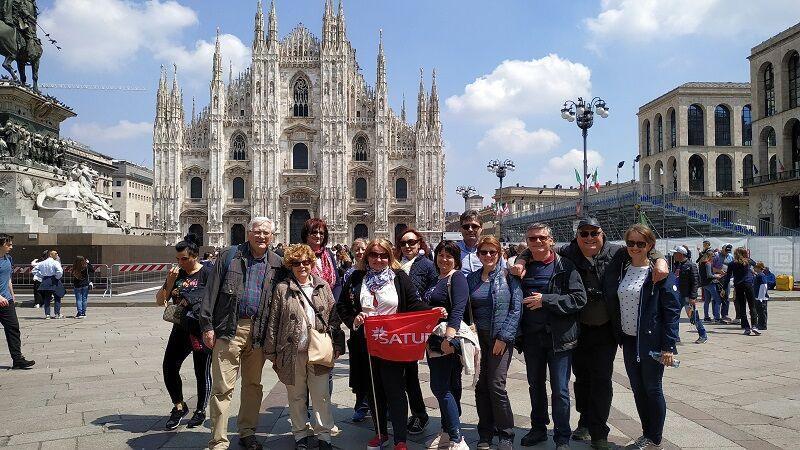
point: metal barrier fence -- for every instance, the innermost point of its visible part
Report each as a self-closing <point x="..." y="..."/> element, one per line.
<point x="22" y="277"/>
<point x="106" y="277"/>
<point x="140" y="273"/>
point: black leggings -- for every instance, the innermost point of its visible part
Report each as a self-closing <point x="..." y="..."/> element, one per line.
<point x="178" y="348"/>
<point x="744" y="295"/>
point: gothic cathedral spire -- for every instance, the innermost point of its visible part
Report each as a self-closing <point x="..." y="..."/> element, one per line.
<point x="258" y="36"/>
<point x="422" y="108"/>
<point x="433" y="107"/>
<point x="273" y="29"/>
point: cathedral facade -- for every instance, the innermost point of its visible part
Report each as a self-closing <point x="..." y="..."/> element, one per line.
<point x="298" y="134"/>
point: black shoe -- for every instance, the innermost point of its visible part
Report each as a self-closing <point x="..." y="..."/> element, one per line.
<point x="533" y="437"/>
<point x="250" y="443"/>
<point x="324" y="445"/>
<point x="302" y="444"/>
<point x="175" y="417"/>
<point x="197" y="419"/>
<point x="581" y="434"/>
<point x="416" y="425"/>
<point x="23" y="364"/>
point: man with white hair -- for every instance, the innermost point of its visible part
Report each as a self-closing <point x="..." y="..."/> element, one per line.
<point x="233" y="313"/>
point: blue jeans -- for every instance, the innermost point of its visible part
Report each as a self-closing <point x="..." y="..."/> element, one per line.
<point x="698" y="324"/>
<point x="711" y="298"/>
<point x="47" y="297"/>
<point x="645" y="378"/>
<point x="446" y="386"/>
<point x="726" y="304"/>
<point x="81" y="299"/>
<point x="539" y="356"/>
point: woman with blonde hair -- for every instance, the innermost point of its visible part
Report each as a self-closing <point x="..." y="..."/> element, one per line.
<point x="742" y="274"/>
<point x="380" y="288"/>
<point x="301" y="303"/>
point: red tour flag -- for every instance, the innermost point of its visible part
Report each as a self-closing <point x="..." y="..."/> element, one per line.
<point x="400" y="337"/>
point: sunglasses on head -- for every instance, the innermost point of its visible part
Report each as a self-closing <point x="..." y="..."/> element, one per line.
<point x="307" y="263"/>
<point x="377" y="255"/>
<point x="470" y="226"/>
<point x="409" y="242"/>
<point x="585" y="234"/>
<point x="487" y="252"/>
<point x="538" y="238"/>
<point x="637" y="244"/>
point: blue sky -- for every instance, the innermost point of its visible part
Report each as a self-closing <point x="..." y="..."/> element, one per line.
<point x="503" y="67"/>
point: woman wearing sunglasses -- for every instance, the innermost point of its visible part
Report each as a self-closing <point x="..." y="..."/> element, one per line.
<point x="647" y="321"/>
<point x="381" y="288"/>
<point x="315" y="235"/>
<point x="496" y="300"/>
<point x="300" y="303"/>
<point x="410" y="249"/>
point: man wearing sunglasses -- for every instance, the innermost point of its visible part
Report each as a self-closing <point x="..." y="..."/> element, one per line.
<point x="471" y="228"/>
<point x="593" y="358"/>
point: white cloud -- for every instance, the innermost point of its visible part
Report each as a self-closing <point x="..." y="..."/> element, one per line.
<point x="108" y="34"/>
<point x="561" y="169"/>
<point x="94" y="133"/>
<point x="196" y="63"/>
<point x="646" y="20"/>
<point x="511" y="135"/>
<point x="522" y="87"/>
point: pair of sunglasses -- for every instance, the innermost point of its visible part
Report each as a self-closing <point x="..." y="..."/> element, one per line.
<point x="637" y="244"/>
<point x="585" y="234"/>
<point x="307" y="263"/>
<point x="377" y="255"/>
<point x="487" y="252"/>
<point x="409" y="243"/>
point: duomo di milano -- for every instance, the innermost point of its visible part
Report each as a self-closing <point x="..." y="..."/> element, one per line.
<point x="298" y="134"/>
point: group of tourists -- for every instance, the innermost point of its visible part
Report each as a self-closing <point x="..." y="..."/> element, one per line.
<point x="565" y="309"/>
<point x="48" y="286"/>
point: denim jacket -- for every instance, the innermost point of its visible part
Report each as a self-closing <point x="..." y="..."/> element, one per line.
<point x="506" y="295"/>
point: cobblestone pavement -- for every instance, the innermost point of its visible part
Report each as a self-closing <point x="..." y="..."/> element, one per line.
<point x="98" y="384"/>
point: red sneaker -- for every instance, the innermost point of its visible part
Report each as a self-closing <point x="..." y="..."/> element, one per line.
<point x="377" y="442"/>
<point x="400" y="446"/>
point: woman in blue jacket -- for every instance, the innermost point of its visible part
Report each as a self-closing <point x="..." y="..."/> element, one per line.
<point x="496" y="302"/>
<point x="647" y="321"/>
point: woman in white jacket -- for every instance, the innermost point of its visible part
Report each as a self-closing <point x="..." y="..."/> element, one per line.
<point x="51" y="288"/>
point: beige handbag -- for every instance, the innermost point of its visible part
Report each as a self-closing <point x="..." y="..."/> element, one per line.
<point x="320" y="344"/>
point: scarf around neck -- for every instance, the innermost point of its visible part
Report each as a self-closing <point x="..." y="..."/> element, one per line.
<point x="376" y="280"/>
<point x="327" y="271"/>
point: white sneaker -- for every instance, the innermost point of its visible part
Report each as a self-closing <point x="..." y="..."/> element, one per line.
<point x="460" y="445"/>
<point x="755" y="331"/>
<point x="46" y="317"/>
<point x="60" y="316"/>
<point x="37" y="306"/>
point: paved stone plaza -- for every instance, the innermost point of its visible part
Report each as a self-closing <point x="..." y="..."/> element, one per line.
<point x="97" y="384"/>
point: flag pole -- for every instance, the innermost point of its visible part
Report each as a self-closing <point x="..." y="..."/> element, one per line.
<point x="374" y="398"/>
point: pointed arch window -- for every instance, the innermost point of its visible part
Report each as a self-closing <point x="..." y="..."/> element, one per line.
<point x="300" y="92"/>
<point x="794" y="78"/>
<point x="769" y="90"/>
<point x="722" y="125"/>
<point x="238" y="148"/>
<point x="673" y="130"/>
<point x="360" y="152"/>
<point x="747" y="126"/>
<point x="696" y="125"/>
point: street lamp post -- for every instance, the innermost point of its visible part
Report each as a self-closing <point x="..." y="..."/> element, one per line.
<point x="635" y="160"/>
<point x="619" y="166"/>
<point x="466" y="192"/>
<point x="500" y="169"/>
<point x="584" y="113"/>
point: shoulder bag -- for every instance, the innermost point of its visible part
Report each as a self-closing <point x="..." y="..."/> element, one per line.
<point x="320" y="344"/>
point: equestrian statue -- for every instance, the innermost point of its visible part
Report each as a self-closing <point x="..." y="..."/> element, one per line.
<point x="18" y="40"/>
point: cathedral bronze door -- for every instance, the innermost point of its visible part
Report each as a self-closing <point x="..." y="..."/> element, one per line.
<point x="296" y="221"/>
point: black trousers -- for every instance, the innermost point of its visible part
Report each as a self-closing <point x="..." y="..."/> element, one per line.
<point x="414" y="391"/>
<point x="390" y="389"/>
<point x="37" y="296"/>
<point x="593" y="364"/>
<point x="8" y="318"/>
<point x="491" y="398"/>
<point x="744" y="295"/>
<point x="761" y="309"/>
<point x="178" y="348"/>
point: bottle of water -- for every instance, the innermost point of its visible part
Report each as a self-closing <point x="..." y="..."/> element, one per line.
<point x="657" y="357"/>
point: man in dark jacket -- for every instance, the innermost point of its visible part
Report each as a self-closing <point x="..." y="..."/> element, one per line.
<point x="554" y="295"/>
<point x="231" y="320"/>
<point x="688" y="282"/>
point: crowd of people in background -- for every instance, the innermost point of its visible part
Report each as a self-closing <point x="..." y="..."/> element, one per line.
<point x="566" y="309"/>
